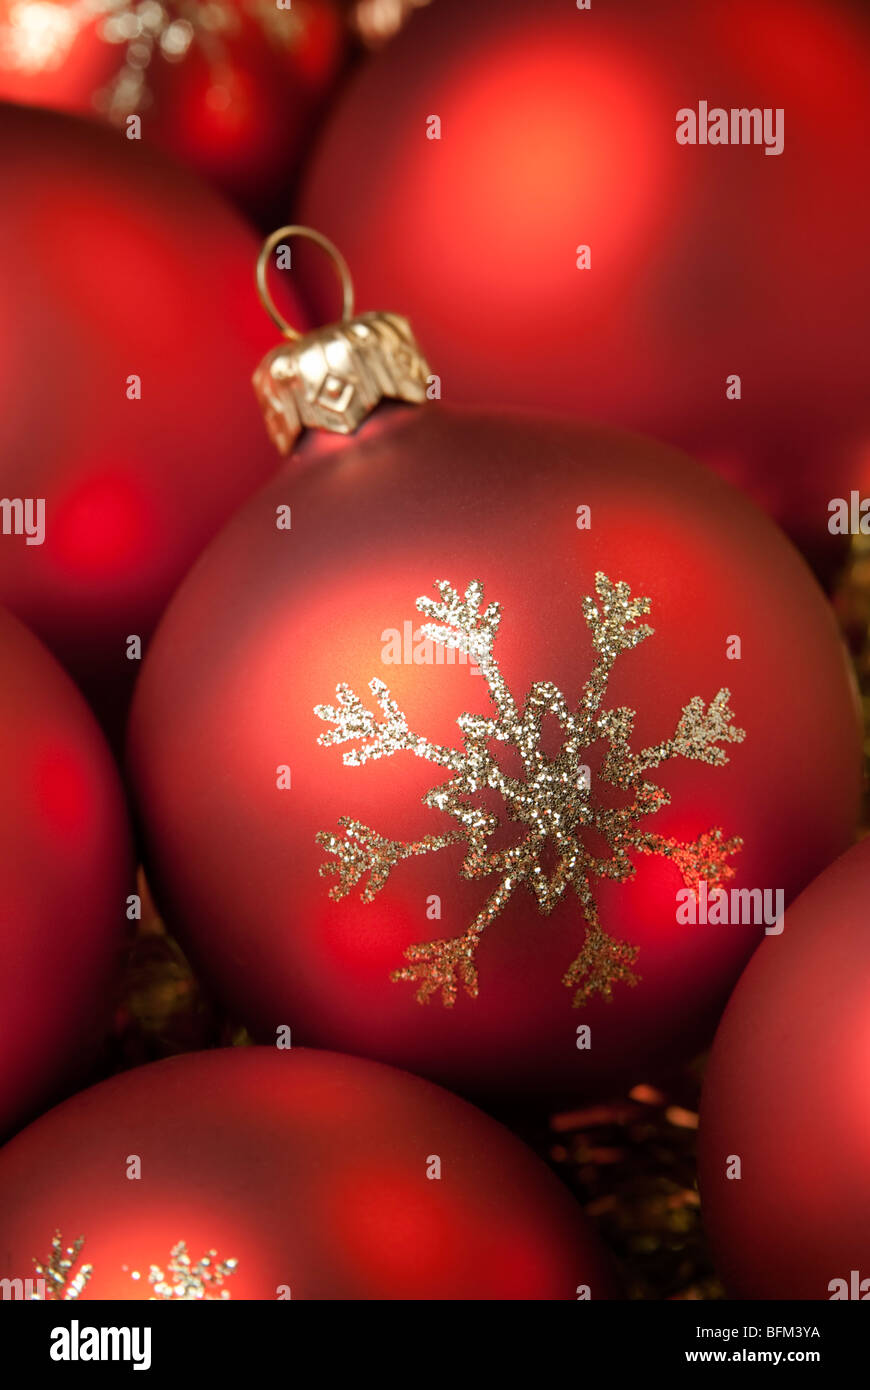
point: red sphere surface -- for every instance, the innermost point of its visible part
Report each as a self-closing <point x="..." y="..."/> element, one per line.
<point x="234" y="787"/>
<point x="557" y="132"/>
<point x="64" y="874"/>
<point x="318" y="1176"/>
<point x="786" y="1096"/>
<point x="227" y="86"/>
<point x="115" y="265"/>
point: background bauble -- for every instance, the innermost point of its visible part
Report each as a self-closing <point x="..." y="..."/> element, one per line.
<point x="314" y="1173"/>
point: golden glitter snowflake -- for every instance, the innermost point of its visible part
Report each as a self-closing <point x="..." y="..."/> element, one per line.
<point x="185" y="1279"/>
<point x="552" y="802"/>
<point x="188" y="1280"/>
<point x="37" y="36"/>
<point x="57" y="1271"/>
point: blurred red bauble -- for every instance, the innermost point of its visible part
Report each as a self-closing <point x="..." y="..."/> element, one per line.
<point x="240" y="800"/>
<point x="557" y="132"/>
<point x="228" y="86"/>
<point x="785" y="1139"/>
<point x="64" y="876"/>
<point x="300" y="1175"/>
<point x="129" y="330"/>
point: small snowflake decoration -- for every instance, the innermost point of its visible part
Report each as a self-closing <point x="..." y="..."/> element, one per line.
<point x="37" y="36"/>
<point x="552" y="803"/>
<point x="61" y="1284"/>
<point x="187" y="1280"/>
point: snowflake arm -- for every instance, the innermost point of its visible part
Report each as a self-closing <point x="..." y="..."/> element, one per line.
<point x="361" y="850"/>
<point x="698" y="735"/>
<point x="603" y="961"/>
<point x="613" y="622"/>
<point x="441" y="965"/>
<point x="376" y="739"/>
<point x="705" y="858"/>
<point x="459" y="623"/>
<point x="446" y="964"/>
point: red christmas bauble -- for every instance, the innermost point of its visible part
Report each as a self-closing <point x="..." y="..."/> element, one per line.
<point x="302" y="875"/>
<point x="558" y="132"/>
<point x="64" y="874"/>
<point x="785" y="1144"/>
<point x="125" y="403"/>
<point x="300" y="1175"/>
<point x="230" y="87"/>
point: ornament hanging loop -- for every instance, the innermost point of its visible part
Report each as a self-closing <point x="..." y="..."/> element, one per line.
<point x="335" y="376"/>
<point x="270" y="245"/>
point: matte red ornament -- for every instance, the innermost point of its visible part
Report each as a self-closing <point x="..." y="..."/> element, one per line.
<point x="556" y="131"/>
<point x="64" y="875"/>
<point x="784" y="1141"/>
<point x="303" y="876"/>
<point x="125" y="405"/>
<point x="296" y="1174"/>
<point x="230" y="87"/>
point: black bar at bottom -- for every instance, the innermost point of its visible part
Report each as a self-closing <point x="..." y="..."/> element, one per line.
<point x="241" y="1342"/>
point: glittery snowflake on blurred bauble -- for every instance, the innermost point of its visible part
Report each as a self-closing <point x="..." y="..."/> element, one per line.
<point x="63" y="1277"/>
<point x="37" y="36"/>
<point x="553" y="801"/>
<point x="189" y="1279"/>
<point x="249" y="74"/>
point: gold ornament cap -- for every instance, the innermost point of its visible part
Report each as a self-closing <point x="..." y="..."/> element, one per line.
<point x="332" y="378"/>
